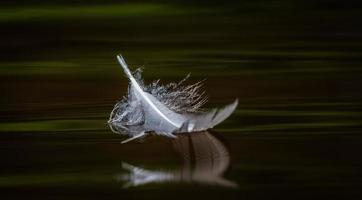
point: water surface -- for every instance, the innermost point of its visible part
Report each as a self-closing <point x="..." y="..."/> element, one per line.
<point x="295" y="67"/>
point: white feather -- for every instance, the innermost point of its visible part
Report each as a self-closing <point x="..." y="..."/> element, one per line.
<point x="141" y="112"/>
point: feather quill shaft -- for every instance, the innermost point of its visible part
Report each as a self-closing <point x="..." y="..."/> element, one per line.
<point x="141" y="92"/>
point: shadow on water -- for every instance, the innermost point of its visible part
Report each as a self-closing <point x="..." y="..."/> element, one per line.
<point x="205" y="160"/>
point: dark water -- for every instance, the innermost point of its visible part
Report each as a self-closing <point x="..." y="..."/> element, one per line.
<point x="294" y="65"/>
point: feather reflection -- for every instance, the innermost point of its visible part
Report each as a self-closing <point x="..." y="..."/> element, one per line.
<point x="205" y="160"/>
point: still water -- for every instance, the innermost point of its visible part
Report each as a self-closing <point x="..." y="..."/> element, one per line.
<point x="296" y="69"/>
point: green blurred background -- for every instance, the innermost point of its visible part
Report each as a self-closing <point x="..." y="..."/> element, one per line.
<point x="294" y="65"/>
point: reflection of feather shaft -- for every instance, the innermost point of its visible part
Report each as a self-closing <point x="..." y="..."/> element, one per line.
<point x="205" y="158"/>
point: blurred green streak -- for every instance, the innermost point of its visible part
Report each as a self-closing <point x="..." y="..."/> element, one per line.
<point x="54" y="125"/>
<point x="101" y="11"/>
<point x="52" y="179"/>
<point x="294" y="126"/>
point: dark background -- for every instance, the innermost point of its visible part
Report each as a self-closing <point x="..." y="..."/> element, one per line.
<point x="294" y="65"/>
